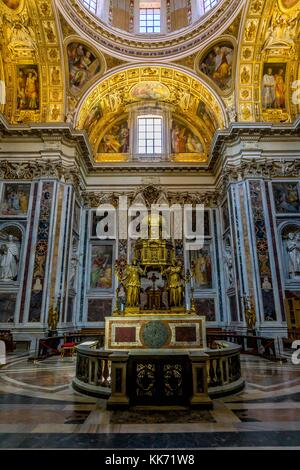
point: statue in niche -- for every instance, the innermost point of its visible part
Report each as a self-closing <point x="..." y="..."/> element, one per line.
<point x="9" y="260"/>
<point x="266" y="284"/>
<point x="53" y="318"/>
<point x="228" y="266"/>
<point x="293" y="250"/>
<point x="73" y="270"/>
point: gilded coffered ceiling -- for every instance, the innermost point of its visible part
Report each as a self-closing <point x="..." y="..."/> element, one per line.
<point x="189" y="98"/>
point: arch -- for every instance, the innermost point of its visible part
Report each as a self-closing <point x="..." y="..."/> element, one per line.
<point x="183" y="90"/>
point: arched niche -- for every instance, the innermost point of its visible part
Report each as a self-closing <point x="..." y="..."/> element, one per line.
<point x="11" y="238"/>
<point x="290" y="239"/>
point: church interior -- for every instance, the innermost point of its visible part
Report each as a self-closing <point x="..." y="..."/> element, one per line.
<point x="149" y="224"/>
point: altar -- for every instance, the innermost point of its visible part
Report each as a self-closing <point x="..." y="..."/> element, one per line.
<point x="157" y="342"/>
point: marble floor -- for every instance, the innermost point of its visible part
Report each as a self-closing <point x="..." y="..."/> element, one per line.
<point x="39" y="409"/>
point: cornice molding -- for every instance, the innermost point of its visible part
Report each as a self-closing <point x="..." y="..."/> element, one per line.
<point x="151" y="195"/>
<point x="237" y="132"/>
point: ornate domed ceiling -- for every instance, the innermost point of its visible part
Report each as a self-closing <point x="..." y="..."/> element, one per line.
<point x="165" y="45"/>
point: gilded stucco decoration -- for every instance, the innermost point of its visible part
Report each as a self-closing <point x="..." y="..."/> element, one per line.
<point x="32" y="62"/>
<point x="192" y="101"/>
<point x="268" y="61"/>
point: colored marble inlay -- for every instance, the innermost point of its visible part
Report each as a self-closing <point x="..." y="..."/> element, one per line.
<point x="27" y="260"/>
<point x="185" y="333"/>
<point x="125" y="334"/>
<point x="41" y="252"/>
<point x="262" y="249"/>
<point x="56" y="267"/>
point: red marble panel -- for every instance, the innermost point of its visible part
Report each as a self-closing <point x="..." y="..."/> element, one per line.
<point x="185" y="333"/>
<point x="125" y="334"/>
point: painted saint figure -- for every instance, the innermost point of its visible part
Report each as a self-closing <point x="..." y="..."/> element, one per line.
<point x="31" y="90"/>
<point x="268" y="91"/>
<point x="280" y="89"/>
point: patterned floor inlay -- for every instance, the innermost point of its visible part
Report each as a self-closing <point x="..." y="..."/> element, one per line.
<point x="140" y="417"/>
<point x="39" y="409"/>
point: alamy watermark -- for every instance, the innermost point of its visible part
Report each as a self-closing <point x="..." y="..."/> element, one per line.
<point x="178" y="222"/>
<point x="296" y="354"/>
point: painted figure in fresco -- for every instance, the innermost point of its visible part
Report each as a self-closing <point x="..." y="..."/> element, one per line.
<point x="174" y="284"/>
<point x="287" y="198"/>
<point x="124" y="138"/>
<point x="9" y="260"/>
<point x="203" y="269"/>
<point x="15" y="201"/>
<point x="132" y="284"/>
<point x="279" y="89"/>
<point x="21" y="85"/>
<point x="218" y="65"/>
<point x="101" y="274"/>
<point x="31" y="90"/>
<point x="150" y="90"/>
<point x="193" y="144"/>
<point x="111" y="142"/>
<point x="178" y="139"/>
<point x="223" y="61"/>
<point x="268" y="91"/>
<point x="92" y="118"/>
<point x="83" y="65"/>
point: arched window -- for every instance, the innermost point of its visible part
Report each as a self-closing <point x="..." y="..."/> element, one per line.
<point x="90" y="5"/>
<point x="150" y="17"/>
<point x="150" y="135"/>
<point x="209" y="4"/>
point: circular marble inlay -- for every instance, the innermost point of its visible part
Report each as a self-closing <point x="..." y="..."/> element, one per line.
<point x="155" y="334"/>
